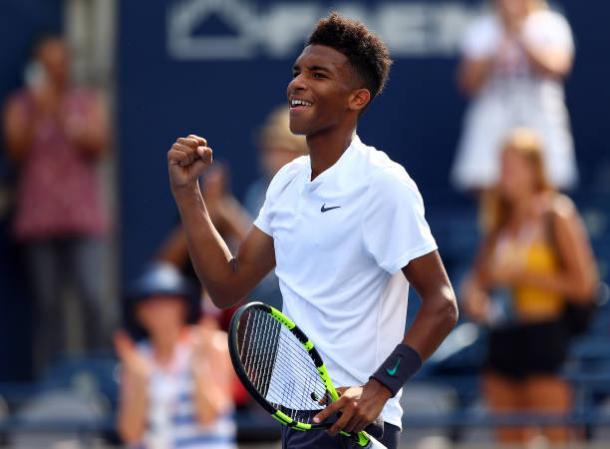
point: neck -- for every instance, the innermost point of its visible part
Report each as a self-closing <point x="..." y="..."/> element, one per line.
<point x="512" y="20"/>
<point x="326" y="147"/>
<point x="521" y="209"/>
<point x="164" y="344"/>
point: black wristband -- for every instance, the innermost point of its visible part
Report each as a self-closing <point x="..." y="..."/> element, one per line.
<point x="398" y="368"/>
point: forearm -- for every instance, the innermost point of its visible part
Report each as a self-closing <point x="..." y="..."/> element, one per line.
<point x="174" y="250"/>
<point x="211" y="399"/>
<point x="17" y="147"/>
<point x="89" y="131"/>
<point x="19" y="133"/>
<point x="91" y="143"/>
<point x="484" y="281"/>
<point x="133" y="413"/>
<point x="556" y="64"/>
<point x="211" y="257"/>
<point x="433" y="322"/>
<point x="472" y="75"/>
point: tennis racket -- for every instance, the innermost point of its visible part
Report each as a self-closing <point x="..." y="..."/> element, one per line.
<point x="283" y="371"/>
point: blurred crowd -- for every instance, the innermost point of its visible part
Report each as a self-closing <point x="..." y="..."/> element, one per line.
<point x="533" y="286"/>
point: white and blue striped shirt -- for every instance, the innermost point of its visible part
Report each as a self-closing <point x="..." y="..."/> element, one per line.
<point x="172" y="419"/>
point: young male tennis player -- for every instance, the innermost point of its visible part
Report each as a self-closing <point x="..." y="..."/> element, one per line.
<point x="345" y="230"/>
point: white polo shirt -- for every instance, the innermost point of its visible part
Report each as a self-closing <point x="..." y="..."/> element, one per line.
<point x="340" y="243"/>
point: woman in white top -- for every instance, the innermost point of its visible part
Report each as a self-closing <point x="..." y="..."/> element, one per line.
<point x="176" y="384"/>
<point x="514" y="63"/>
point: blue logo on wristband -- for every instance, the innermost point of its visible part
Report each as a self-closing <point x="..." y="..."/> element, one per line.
<point x="392" y="372"/>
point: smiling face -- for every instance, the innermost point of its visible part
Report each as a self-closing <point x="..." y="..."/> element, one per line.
<point x="325" y="92"/>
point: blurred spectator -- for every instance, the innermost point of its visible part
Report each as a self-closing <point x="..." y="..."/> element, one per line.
<point x="227" y="214"/>
<point x="176" y="383"/>
<point x="535" y="260"/>
<point x="56" y="134"/>
<point x="514" y="63"/>
<point x="277" y="146"/>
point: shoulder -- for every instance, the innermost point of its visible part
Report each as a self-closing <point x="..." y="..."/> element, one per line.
<point x="481" y="37"/>
<point x="483" y="25"/>
<point x="563" y="207"/>
<point x="294" y="166"/>
<point x="287" y="174"/>
<point x="547" y="18"/>
<point x="558" y="206"/>
<point x="387" y="176"/>
<point x="388" y="184"/>
<point x="547" y="26"/>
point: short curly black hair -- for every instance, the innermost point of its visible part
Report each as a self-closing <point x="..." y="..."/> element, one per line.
<point x="366" y="52"/>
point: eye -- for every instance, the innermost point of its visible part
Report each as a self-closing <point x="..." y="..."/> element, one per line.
<point x="295" y="74"/>
<point x="318" y="75"/>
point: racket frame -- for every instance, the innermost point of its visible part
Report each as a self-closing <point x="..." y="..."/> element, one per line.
<point x="278" y="415"/>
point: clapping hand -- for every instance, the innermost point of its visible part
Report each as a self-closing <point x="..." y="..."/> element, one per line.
<point x="135" y="365"/>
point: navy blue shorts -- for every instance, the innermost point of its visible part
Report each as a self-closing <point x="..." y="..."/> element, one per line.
<point x="319" y="439"/>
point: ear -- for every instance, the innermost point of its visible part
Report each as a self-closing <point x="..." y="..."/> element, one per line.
<point x="359" y="99"/>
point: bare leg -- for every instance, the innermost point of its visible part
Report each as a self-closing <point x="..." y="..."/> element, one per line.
<point x="550" y="394"/>
<point x="504" y="395"/>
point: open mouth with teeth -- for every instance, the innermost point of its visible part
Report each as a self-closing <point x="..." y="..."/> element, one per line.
<point x="299" y="104"/>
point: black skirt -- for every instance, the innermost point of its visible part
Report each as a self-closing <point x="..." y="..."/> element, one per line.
<point x="522" y="350"/>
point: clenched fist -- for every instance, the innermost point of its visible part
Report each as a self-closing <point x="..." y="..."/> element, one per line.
<point x="187" y="160"/>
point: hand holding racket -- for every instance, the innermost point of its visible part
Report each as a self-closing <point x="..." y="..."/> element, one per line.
<point x="284" y="373"/>
<point x="356" y="407"/>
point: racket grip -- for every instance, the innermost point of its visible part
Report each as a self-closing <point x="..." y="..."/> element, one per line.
<point x="374" y="444"/>
<point x="375" y="429"/>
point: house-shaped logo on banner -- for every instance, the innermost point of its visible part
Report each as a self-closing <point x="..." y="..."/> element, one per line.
<point x="211" y="29"/>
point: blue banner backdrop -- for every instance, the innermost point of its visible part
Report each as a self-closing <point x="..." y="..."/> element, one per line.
<point x="216" y="68"/>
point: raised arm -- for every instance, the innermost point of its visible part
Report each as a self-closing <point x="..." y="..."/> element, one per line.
<point x="227" y="278"/>
<point x="549" y="45"/>
<point x="134" y="399"/>
<point x="89" y="131"/>
<point x="474" y="289"/>
<point x="472" y="74"/>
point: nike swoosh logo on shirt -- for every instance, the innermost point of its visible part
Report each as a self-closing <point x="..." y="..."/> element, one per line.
<point x="392" y="372"/>
<point x="326" y="209"/>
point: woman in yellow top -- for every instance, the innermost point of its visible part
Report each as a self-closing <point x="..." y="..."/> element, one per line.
<point x="535" y="256"/>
